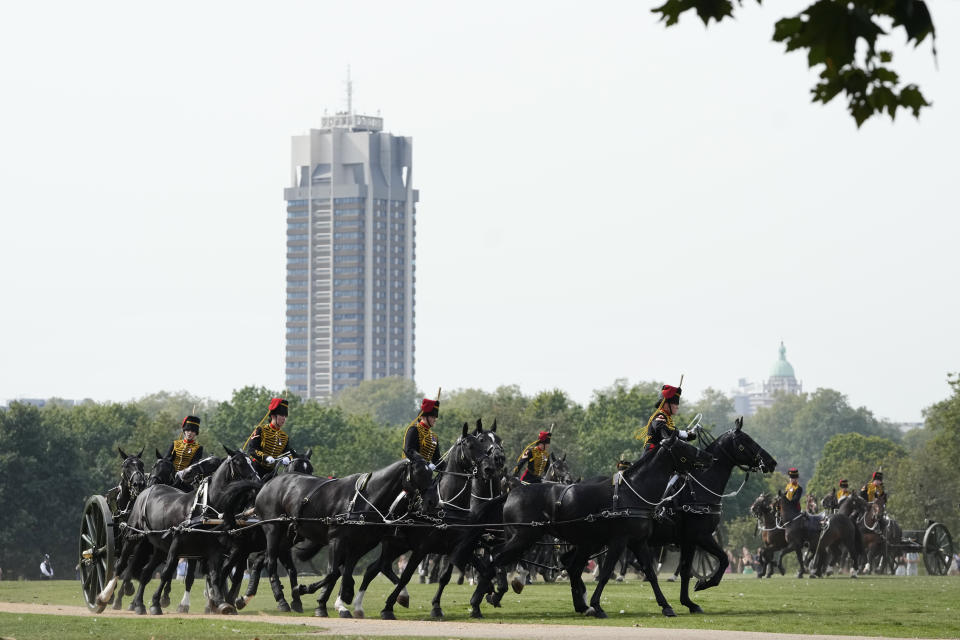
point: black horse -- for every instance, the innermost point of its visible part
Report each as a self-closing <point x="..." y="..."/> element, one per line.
<point x="474" y="464"/>
<point x="839" y="533"/>
<point x="694" y="514"/>
<point x="771" y="535"/>
<point x="158" y="516"/>
<point x="612" y="512"/>
<point x="324" y="510"/>
<point x="120" y="499"/>
<point x="250" y="544"/>
<point x="800" y="529"/>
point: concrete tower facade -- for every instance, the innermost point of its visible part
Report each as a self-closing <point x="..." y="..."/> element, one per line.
<point x="351" y="246"/>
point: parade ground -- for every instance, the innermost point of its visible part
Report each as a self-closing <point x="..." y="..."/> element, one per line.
<point x="784" y="607"/>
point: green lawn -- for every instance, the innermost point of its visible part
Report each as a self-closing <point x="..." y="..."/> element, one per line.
<point x="922" y="606"/>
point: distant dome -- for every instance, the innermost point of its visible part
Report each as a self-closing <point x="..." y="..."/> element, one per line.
<point x="781" y="368"/>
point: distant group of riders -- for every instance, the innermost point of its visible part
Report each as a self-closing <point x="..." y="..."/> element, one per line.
<point x="262" y="505"/>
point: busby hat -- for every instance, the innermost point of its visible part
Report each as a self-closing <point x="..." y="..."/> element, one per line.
<point x="844" y="484"/>
<point x="671" y="394"/>
<point x="278" y="407"/>
<point x="793" y="473"/>
<point x="191" y="423"/>
<point x="430" y="407"/>
<point x="544" y="436"/>
<point x="877" y="475"/>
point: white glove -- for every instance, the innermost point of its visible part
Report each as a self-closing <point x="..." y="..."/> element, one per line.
<point x="285" y="460"/>
<point x="270" y="459"/>
<point x="179" y="475"/>
<point x="432" y="467"/>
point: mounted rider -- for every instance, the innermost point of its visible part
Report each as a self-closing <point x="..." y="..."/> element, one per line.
<point x="873" y="489"/>
<point x="535" y="459"/>
<point x="269" y="441"/>
<point x="187" y="450"/>
<point x="419" y="440"/>
<point x="843" y="490"/>
<point x="660" y="425"/>
<point x="793" y="490"/>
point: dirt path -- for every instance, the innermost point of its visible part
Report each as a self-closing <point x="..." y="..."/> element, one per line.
<point x="371" y="627"/>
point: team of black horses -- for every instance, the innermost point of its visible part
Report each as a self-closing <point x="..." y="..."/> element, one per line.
<point x="220" y="514"/>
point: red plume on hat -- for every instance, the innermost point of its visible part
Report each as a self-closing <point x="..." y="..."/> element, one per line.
<point x="430" y="407"/>
<point x="544" y="436"/>
<point x="793" y="473"/>
<point x="192" y="423"/>
<point x="279" y="407"/>
<point x="669" y="393"/>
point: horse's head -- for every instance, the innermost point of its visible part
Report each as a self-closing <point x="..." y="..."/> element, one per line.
<point x="416" y="476"/>
<point x="162" y="471"/>
<point x="559" y="469"/>
<point x="830" y="501"/>
<point x="493" y="459"/>
<point x="132" y="477"/>
<point x="239" y="466"/>
<point x="685" y="457"/>
<point x="468" y="454"/>
<point x="760" y="506"/>
<point x="743" y="451"/>
<point x="301" y="463"/>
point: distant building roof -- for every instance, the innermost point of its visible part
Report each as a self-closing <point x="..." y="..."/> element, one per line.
<point x="781" y="368"/>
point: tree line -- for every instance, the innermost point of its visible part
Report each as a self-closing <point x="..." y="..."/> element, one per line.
<point x="54" y="457"/>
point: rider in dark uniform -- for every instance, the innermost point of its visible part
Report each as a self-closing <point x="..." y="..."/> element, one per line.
<point x="793" y="490"/>
<point x="535" y="459"/>
<point x="268" y="441"/>
<point x="660" y="425"/>
<point x="419" y="440"/>
<point x="873" y="489"/>
<point x="187" y="450"/>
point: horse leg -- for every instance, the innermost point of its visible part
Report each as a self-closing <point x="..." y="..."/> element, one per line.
<point x="574" y="562"/>
<point x="442" y="580"/>
<point x="708" y="544"/>
<point x="642" y="552"/>
<point x="614" y="551"/>
<point x="687" y="550"/>
<point x="273" y="534"/>
<point x="347" y="582"/>
<point x="145" y="574"/>
<point x="256" y="566"/>
<point x="326" y="585"/>
<point x="166" y="575"/>
<point x="383" y="564"/>
<point x="415" y="558"/>
<point x="286" y="558"/>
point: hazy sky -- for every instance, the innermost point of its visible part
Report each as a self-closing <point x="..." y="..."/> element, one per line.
<point x="601" y="197"/>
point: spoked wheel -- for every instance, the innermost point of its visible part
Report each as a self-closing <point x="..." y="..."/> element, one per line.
<point x="705" y="564"/>
<point x="96" y="550"/>
<point x="937" y="549"/>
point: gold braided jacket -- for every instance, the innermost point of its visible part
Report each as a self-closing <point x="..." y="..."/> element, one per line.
<point x="873" y="492"/>
<point x="539" y="458"/>
<point x="273" y="442"/>
<point x="842" y="493"/>
<point x="428" y="440"/>
<point x="791" y="489"/>
<point x="648" y="434"/>
<point x="183" y="453"/>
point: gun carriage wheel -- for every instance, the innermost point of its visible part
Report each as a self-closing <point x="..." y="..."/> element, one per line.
<point x="97" y="550"/>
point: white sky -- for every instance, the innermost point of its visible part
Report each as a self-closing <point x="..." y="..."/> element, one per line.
<point x="601" y="197"/>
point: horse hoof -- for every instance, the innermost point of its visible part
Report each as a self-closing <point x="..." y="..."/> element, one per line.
<point x="700" y="586"/>
<point x="240" y="603"/>
<point x="358" y="613"/>
<point x="165" y="602"/>
<point x="695" y="608"/>
<point x="183" y="608"/>
<point x="320" y="612"/>
<point x="283" y="606"/>
<point x="436" y="613"/>
<point x="155" y="610"/>
<point x="344" y="613"/>
<point x="226" y="609"/>
<point x="669" y="612"/>
<point x="517" y="585"/>
<point x="475" y="613"/>
<point x="140" y="610"/>
<point x="297" y="606"/>
<point x="619" y="578"/>
<point x="386" y="614"/>
<point x="128" y="589"/>
<point x="403" y="600"/>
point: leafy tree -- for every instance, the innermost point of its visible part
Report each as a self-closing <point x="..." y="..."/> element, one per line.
<point x="842" y="39"/>
<point x="852" y="456"/>
<point x="390" y="401"/>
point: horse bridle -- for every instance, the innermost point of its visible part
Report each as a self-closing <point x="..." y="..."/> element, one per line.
<point x="131" y="481"/>
<point x="758" y="466"/>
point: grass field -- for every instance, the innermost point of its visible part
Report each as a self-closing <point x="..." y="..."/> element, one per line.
<point x="926" y="607"/>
